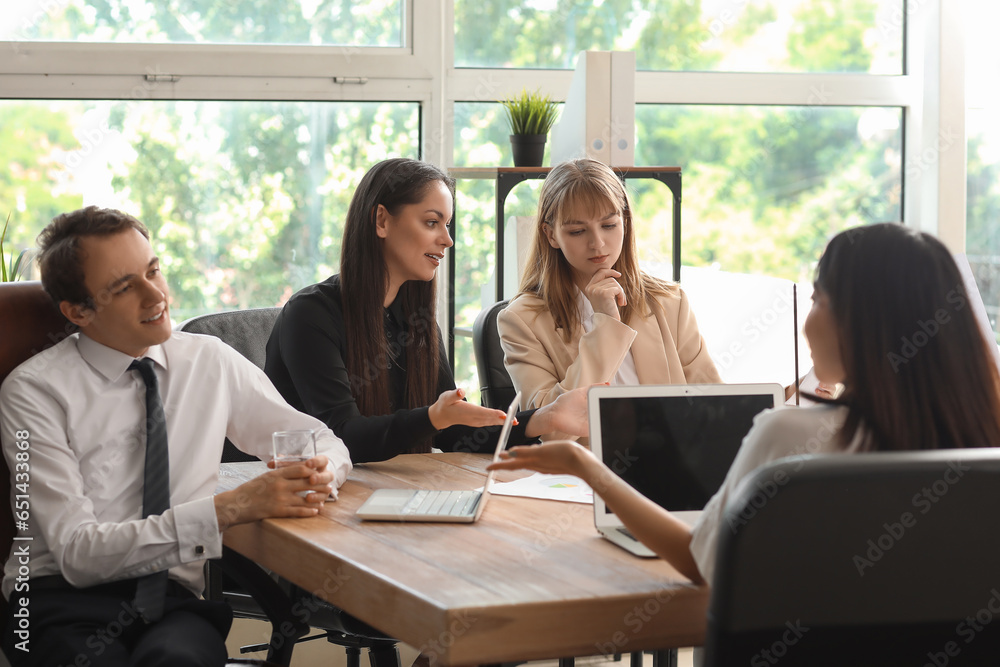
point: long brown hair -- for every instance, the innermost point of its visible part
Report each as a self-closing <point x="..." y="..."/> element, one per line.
<point x="919" y="372"/>
<point x="363" y="279"/>
<point x="547" y="274"/>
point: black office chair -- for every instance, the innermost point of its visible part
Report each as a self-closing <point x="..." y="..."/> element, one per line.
<point x="861" y="560"/>
<point x="496" y="387"/>
<point x="247" y="332"/>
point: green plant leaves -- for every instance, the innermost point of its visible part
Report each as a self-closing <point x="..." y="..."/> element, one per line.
<point x="530" y="113"/>
<point x="3" y="266"/>
<point x="9" y="272"/>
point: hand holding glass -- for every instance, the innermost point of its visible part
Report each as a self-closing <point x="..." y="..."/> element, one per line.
<point x="293" y="447"/>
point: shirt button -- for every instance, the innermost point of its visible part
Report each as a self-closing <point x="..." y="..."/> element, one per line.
<point x="199" y="550"/>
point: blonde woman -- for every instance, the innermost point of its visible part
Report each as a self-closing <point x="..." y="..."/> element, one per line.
<point x="585" y="314"/>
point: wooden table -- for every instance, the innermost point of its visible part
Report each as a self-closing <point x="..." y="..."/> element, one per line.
<point x="532" y="579"/>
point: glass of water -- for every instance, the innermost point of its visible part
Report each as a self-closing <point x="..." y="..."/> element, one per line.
<point x="293" y="447"/>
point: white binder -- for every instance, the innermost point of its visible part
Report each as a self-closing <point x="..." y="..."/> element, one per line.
<point x="598" y="119"/>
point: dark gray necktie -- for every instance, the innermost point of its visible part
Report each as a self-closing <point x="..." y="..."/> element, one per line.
<point x="151" y="590"/>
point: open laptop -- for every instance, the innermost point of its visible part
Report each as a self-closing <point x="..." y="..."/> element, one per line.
<point x="436" y="505"/>
<point x="673" y="443"/>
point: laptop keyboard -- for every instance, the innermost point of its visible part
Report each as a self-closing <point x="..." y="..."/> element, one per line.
<point x="442" y="503"/>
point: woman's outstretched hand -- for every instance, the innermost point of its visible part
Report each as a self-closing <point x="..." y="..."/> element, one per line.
<point x="563" y="457"/>
<point x="451" y="408"/>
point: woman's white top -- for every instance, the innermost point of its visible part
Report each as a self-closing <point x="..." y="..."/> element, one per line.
<point x="776" y="433"/>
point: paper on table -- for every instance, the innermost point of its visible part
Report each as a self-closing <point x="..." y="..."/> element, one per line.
<point x="547" y="487"/>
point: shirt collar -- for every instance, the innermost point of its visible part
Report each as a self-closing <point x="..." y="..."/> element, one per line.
<point x="110" y="362"/>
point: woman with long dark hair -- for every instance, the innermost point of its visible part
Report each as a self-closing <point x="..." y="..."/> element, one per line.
<point x="361" y="350"/>
<point x="891" y="321"/>
<point x="585" y="313"/>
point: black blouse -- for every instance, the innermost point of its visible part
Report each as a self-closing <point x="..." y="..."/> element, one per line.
<point x="306" y="362"/>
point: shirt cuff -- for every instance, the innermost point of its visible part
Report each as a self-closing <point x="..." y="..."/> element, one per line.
<point x="198" y="535"/>
<point x="420" y="424"/>
<point x="518" y="435"/>
<point x="338" y="458"/>
<point x="602" y="320"/>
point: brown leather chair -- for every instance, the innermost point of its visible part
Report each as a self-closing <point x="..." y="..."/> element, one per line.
<point x="30" y="323"/>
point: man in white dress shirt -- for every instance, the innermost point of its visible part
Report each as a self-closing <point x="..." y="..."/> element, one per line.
<point x="73" y="427"/>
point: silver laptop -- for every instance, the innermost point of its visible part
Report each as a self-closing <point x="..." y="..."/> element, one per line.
<point x="673" y="443"/>
<point x="436" y="505"/>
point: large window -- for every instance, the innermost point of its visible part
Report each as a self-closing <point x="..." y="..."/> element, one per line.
<point x="245" y="200"/>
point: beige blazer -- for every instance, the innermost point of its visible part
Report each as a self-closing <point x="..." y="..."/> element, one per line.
<point x="666" y="346"/>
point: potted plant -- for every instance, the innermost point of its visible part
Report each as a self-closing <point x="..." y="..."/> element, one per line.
<point x="530" y="116"/>
<point x="9" y="272"/>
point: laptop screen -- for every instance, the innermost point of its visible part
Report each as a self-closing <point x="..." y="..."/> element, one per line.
<point x="676" y="450"/>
